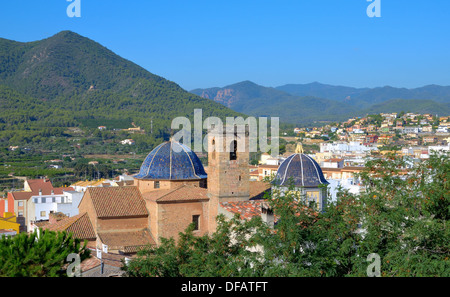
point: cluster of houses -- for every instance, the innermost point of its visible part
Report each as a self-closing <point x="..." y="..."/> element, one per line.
<point x="128" y="141"/>
<point x="413" y="135"/>
<point x="401" y="129"/>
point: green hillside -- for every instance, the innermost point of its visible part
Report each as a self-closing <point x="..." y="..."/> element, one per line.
<point x="68" y="81"/>
<point x="411" y="105"/>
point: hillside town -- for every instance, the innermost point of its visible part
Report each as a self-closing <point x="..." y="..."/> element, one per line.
<point x="343" y="148"/>
<point x="224" y="148"/>
<point x="118" y="216"/>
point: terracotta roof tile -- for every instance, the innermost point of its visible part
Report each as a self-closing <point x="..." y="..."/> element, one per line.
<point x="118" y="201"/>
<point x="40" y="184"/>
<point x="21" y="195"/>
<point x="80" y="226"/>
<point x="108" y="259"/>
<point x="127" y="241"/>
<point x="36" y="186"/>
<point x="182" y="193"/>
<point x="247" y="209"/>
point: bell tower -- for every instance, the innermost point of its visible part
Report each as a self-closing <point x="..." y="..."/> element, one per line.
<point x="228" y="170"/>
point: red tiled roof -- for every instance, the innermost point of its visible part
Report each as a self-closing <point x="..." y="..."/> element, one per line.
<point x="256" y="172"/>
<point x="182" y="193"/>
<point x="247" y="209"/>
<point x="40" y="184"/>
<point x="127" y="241"/>
<point x="334" y="160"/>
<point x="192" y="193"/>
<point x="108" y="259"/>
<point x="117" y="201"/>
<point x="80" y="226"/>
<point x="37" y="185"/>
<point x="21" y="195"/>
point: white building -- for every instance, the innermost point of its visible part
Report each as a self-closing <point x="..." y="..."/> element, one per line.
<point x="66" y="203"/>
<point x="38" y="199"/>
<point x="267" y="159"/>
<point x="127" y="141"/>
<point x="333" y="163"/>
<point x="345" y="184"/>
<point x="439" y="149"/>
<point x="358" y="131"/>
<point x="412" y="130"/>
<point x="345" y="147"/>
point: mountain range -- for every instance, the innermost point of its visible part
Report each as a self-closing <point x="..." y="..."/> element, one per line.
<point x="306" y="103"/>
<point x="69" y="80"/>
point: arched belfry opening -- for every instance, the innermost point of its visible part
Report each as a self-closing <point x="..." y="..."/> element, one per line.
<point x="233" y="150"/>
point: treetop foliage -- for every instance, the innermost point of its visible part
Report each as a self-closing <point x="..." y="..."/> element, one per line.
<point x="401" y="215"/>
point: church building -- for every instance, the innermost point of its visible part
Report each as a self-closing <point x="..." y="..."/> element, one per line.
<point x="173" y="190"/>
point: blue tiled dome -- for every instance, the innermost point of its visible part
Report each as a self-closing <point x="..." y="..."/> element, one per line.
<point x="171" y="160"/>
<point x="302" y="171"/>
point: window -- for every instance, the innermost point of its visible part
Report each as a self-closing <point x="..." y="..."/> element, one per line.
<point x="157" y="185"/>
<point x="42" y="200"/>
<point x="20" y="213"/>
<point x="20" y="203"/>
<point x="196" y="221"/>
<point x="43" y="214"/>
<point x="313" y="199"/>
<point x="233" y="150"/>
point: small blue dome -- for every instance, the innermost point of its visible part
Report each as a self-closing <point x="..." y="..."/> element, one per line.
<point x="302" y="171"/>
<point x="171" y="160"/>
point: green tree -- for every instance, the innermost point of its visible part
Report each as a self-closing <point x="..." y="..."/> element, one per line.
<point x="404" y="214"/>
<point x="226" y="253"/>
<point x="30" y="255"/>
<point x="401" y="215"/>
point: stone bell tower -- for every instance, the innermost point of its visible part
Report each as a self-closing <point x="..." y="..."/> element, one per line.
<point x="228" y="170"/>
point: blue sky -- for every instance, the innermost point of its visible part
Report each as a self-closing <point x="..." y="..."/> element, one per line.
<point x="200" y="44"/>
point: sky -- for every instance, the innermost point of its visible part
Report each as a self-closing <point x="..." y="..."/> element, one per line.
<point x="215" y="43"/>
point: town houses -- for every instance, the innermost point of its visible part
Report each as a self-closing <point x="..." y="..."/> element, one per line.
<point x="173" y="190"/>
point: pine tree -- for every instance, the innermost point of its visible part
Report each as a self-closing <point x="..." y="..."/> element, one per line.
<point x="39" y="254"/>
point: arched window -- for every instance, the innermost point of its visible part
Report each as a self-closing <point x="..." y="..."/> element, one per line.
<point x="233" y="150"/>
